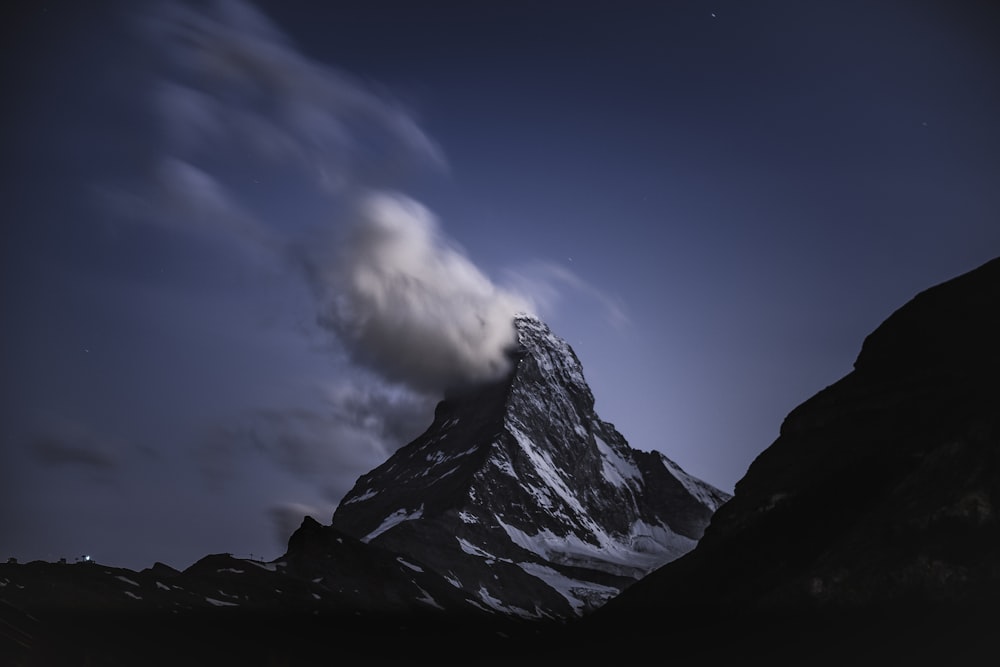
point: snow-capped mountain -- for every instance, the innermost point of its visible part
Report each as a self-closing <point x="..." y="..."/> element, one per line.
<point x="521" y="496"/>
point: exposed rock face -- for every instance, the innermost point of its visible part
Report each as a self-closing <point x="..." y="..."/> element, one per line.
<point x="520" y="495"/>
<point x="881" y="492"/>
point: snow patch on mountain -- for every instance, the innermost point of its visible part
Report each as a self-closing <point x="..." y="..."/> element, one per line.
<point x="473" y="550"/>
<point x="546" y="469"/>
<point x="503" y="464"/>
<point x="616" y="468"/>
<point x="220" y="603"/>
<point x="643" y="548"/>
<point x="496" y="604"/>
<point x="370" y="493"/>
<point x="709" y="496"/>
<point x="426" y="598"/>
<point x="581" y="595"/>
<point x="405" y="563"/>
<point x="396" y="517"/>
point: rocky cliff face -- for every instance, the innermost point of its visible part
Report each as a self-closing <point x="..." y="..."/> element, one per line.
<point x="881" y="492"/>
<point x="521" y="495"/>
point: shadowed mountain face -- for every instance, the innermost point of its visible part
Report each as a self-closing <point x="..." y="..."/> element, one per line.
<point x="521" y="496"/>
<point x="879" y="500"/>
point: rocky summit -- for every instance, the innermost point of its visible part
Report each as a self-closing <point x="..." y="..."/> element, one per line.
<point x="521" y="496"/>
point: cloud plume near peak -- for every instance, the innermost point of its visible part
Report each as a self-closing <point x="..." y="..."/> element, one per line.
<point x="238" y="100"/>
<point x="269" y="163"/>
<point x="409" y="304"/>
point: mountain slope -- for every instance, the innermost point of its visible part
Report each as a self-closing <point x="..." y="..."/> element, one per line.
<point x="521" y="495"/>
<point x="874" y="514"/>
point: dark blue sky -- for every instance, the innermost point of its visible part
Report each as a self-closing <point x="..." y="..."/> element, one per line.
<point x="713" y="202"/>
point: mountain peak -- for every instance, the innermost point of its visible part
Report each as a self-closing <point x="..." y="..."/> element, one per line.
<point x="521" y="495"/>
<point x="551" y="356"/>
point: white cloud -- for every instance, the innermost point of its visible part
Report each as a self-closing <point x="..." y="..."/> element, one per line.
<point x="410" y="304"/>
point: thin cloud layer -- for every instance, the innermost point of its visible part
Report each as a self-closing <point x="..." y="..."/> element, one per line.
<point x="57" y="442"/>
<point x="77" y="449"/>
<point x="235" y="79"/>
<point x="353" y="427"/>
<point x="546" y="283"/>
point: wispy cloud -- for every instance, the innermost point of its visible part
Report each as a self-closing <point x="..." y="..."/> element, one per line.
<point x="234" y="77"/>
<point x="547" y="283"/>
<point x="74" y="445"/>
<point x="353" y="427"/>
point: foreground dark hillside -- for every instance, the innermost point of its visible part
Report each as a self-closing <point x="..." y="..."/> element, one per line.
<point x="230" y="611"/>
<point x="870" y="529"/>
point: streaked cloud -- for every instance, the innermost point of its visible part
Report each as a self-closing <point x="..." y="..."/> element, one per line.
<point x="74" y="445"/>
<point x="232" y="77"/>
<point x="548" y="283"/>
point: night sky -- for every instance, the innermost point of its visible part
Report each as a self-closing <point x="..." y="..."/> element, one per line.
<point x="246" y="248"/>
